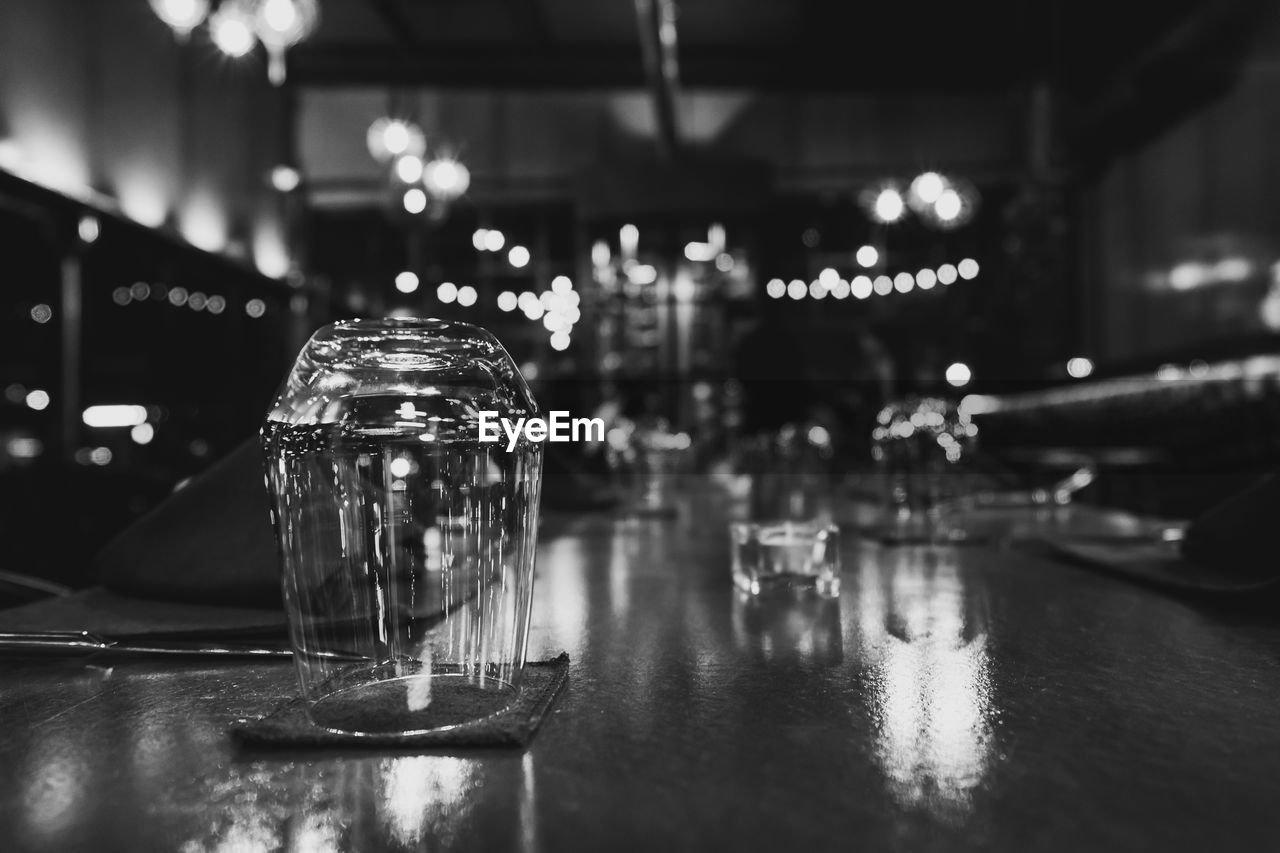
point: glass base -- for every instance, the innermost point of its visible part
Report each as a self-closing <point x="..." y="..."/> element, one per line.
<point x="412" y="704"/>
<point x="824" y="585"/>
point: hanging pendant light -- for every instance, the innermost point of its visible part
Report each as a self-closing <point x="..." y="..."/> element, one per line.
<point x="392" y="138"/>
<point x="182" y="16"/>
<point x="231" y="28"/>
<point x="445" y="178"/>
<point x="281" y="24"/>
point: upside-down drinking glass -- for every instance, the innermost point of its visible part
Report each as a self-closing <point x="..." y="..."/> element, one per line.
<point x="407" y="545"/>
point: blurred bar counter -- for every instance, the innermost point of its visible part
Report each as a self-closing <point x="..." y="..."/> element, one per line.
<point x="1171" y="442"/>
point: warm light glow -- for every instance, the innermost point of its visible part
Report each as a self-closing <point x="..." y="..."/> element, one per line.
<point x="883" y="285"/>
<point x="395" y="136"/>
<point x="1186" y="276"/>
<point x="477" y="239"/>
<point x="868" y="256"/>
<point x="285" y="178"/>
<point x="946" y="274"/>
<point x="406" y="282"/>
<point x="561" y="284"/>
<point x="142" y="200"/>
<point x="629" y="240"/>
<point x="1232" y="269"/>
<point x="1079" y="367"/>
<point x="389" y="138"/>
<point x="860" y="287"/>
<point x="600" y="255"/>
<point x="409" y="168"/>
<point x="467" y="296"/>
<point x="797" y="289"/>
<point x="518" y="257"/>
<point x="828" y="278"/>
<point x="280" y="16"/>
<point x="400" y="467"/>
<point x="182" y="16"/>
<point x="948" y="205"/>
<point x="37" y="399"/>
<point x="447" y="292"/>
<point x="928" y="187"/>
<point x="968" y="269"/>
<point x="560" y="341"/>
<point x="841" y="289"/>
<point x="926" y="279"/>
<point x="507" y="301"/>
<point x="527" y="301"/>
<point x="643" y="274"/>
<point x="684" y="289"/>
<point x="24" y="447"/>
<point x="699" y="252"/>
<point x="177" y="296"/>
<point x="816" y="290"/>
<point x="114" y="416"/>
<point x="270" y="254"/>
<point x="494" y="240"/>
<point x="903" y="282"/>
<point x="446" y="178"/>
<point x="776" y="288"/>
<point x="415" y="200"/>
<point x="231" y="29"/>
<point x="977" y="404"/>
<point x="88" y="228"/>
<point x="255" y="308"/>
<point x="888" y="206"/>
<point x="958" y="374"/>
<point x="724" y="262"/>
<point x="41" y="313"/>
<point x="203" y="223"/>
<point x="11" y="156"/>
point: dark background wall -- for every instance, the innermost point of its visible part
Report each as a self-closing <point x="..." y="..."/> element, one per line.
<point x="1167" y="214"/>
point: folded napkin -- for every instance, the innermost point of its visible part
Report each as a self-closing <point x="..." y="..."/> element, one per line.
<point x="1231" y="548"/>
<point x="119" y="617"/>
<point x="211" y="542"/>
<point x="289" y="726"/>
<point x="1241" y="535"/>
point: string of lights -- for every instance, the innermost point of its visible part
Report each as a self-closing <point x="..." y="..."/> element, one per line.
<point x="830" y="283"/>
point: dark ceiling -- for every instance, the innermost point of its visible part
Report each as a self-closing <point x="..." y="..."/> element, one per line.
<point x="886" y="46"/>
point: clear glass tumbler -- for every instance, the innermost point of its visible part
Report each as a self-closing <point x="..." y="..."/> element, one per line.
<point x="790" y="555"/>
<point x="920" y="445"/>
<point x="407" y="545"/>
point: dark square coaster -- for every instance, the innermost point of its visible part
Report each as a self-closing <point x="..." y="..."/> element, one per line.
<point x="288" y="726"/>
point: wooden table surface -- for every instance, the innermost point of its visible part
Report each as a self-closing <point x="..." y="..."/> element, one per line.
<point x="971" y="698"/>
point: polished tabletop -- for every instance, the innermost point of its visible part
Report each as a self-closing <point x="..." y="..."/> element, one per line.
<point x="952" y="698"/>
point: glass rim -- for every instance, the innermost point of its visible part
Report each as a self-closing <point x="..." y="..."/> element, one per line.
<point x="801" y="525"/>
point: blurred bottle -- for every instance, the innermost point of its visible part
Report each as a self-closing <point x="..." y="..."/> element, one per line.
<point x="919" y="446"/>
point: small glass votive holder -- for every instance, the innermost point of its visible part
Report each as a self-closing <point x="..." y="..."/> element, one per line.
<point x="786" y="555"/>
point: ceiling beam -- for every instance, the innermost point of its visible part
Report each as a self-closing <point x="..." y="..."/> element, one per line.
<point x="1180" y="73"/>
<point x="520" y="67"/>
<point x="531" y="18"/>
<point x="656" y="20"/>
<point x="398" y="24"/>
